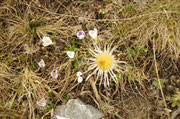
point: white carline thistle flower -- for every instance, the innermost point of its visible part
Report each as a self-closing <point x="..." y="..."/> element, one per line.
<point x="46" y="41"/>
<point x="103" y="64"/>
<point x="54" y="74"/>
<point x="80" y="34"/>
<point x="41" y="63"/>
<point x="70" y="54"/>
<point x="42" y="102"/>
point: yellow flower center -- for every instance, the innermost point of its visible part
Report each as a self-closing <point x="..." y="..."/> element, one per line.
<point x="42" y="102"/>
<point x="47" y="41"/>
<point x="104" y="61"/>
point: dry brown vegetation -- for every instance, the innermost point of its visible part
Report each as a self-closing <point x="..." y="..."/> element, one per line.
<point x="148" y="38"/>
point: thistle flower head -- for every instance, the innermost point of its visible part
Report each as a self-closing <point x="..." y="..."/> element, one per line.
<point x="104" y="65"/>
<point x="104" y="61"/>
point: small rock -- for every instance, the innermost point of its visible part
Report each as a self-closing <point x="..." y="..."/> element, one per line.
<point x="75" y="109"/>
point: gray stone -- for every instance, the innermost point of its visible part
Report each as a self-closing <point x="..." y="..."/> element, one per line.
<point x="75" y="109"/>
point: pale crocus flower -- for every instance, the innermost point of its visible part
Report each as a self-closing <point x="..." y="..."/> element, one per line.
<point x="46" y="41"/>
<point x="41" y="63"/>
<point x="78" y="74"/>
<point x="70" y="54"/>
<point x="80" y="79"/>
<point x="54" y="74"/>
<point x="93" y="33"/>
<point x="80" y="34"/>
<point x="42" y="102"/>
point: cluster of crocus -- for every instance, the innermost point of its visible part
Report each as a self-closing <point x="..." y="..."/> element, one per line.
<point x="81" y="35"/>
<point x="42" y="65"/>
<point x="103" y="63"/>
<point x="92" y="33"/>
<point x="46" y="42"/>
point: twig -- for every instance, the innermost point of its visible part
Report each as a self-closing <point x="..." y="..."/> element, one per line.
<point x="95" y="90"/>
<point x="159" y="83"/>
<point x="2" y="38"/>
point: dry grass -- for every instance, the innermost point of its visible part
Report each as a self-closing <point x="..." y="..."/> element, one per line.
<point x="147" y="35"/>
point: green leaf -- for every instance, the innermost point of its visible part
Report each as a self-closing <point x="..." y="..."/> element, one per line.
<point x="178" y="104"/>
<point x="65" y="97"/>
<point x="51" y="94"/>
<point x="118" y="77"/>
<point x="155" y="83"/>
<point x="111" y="84"/>
<point x="174" y="98"/>
<point x="86" y="68"/>
<point x="100" y="15"/>
<point x="75" y="63"/>
<point x="174" y="104"/>
<point x="153" y="71"/>
<point x="171" y="37"/>
<point x="129" y="76"/>
<point x="68" y="48"/>
<point x="131" y="53"/>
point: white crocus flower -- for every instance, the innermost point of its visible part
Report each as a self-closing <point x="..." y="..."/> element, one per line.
<point x="80" y="79"/>
<point x="42" y="102"/>
<point x="41" y="63"/>
<point x="70" y="54"/>
<point x="46" y="41"/>
<point x="78" y="74"/>
<point x="93" y="33"/>
<point x="80" y="34"/>
<point x="54" y="74"/>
